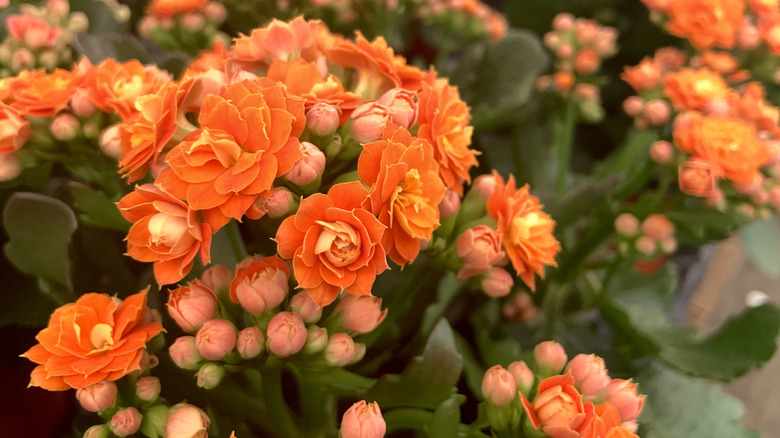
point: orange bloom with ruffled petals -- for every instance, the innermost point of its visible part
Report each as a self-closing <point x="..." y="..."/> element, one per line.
<point x="304" y="79"/>
<point x="96" y="338"/>
<point x="644" y="76"/>
<point x="277" y="40"/>
<point x="526" y="230"/>
<point x="691" y="89"/>
<point x="213" y="58"/>
<point x="752" y="105"/>
<point x="557" y="408"/>
<point x="168" y="8"/>
<point x="14" y="129"/>
<point x="443" y="120"/>
<point x="165" y="232"/>
<point x="39" y="94"/>
<point x="706" y="23"/>
<point x="249" y="137"/>
<point x="114" y="86"/>
<point x="405" y="190"/>
<point x="334" y="242"/>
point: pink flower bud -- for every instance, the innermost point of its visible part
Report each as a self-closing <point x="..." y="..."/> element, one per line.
<point x="627" y="225"/>
<point x="748" y="37"/>
<point x="645" y="245"/>
<point x="633" y="105"/>
<point x="215" y="12"/>
<point x="210" y="375"/>
<point x="98" y="431"/>
<point x="340" y="350"/>
<point x="586" y="61"/>
<point x="191" y="306"/>
<point x="363" y="420"/>
<point x="81" y="104"/>
<point x="360" y="352"/>
<point x="58" y="9"/>
<point x="668" y="244"/>
<point x="480" y="250"/>
<point x="402" y="105"/>
<point x="550" y="357"/>
<point x="484" y="186"/>
<point x="147" y="388"/>
<point x="260" y="284"/>
<point x="623" y="395"/>
<point x="147" y="25"/>
<point x="564" y="51"/>
<point x="309" y="168"/>
<point x="369" y="120"/>
<point x="10" y="167"/>
<point x="524" y="377"/>
<point x="498" y="386"/>
<point x="316" y="340"/>
<point x="22" y="59"/>
<point x="551" y="40"/>
<point x="286" y="334"/>
<point x="657" y="226"/>
<point x="111" y="141"/>
<point x="497" y="282"/>
<point x="449" y="205"/>
<point x="125" y="422"/>
<point x="589" y="373"/>
<point x="251" y="342"/>
<point x="661" y="152"/>
<point x="360" y="313"/>
<point x="193" y="21"/>
<point x="303" y="305"/>
<point x="281" y="202"/>
<point x="217" y="278"/>
<point x="216" y="338"/>
<point x="322" y="119"/>
<point x="696" y="178"/>
<point x="65" y="127"/>
<point x="587" y="92"/>
<point x="657" y="112"/>
<point x="563" y="22"/>
<point x="186" y="421"/>
<point x="97" y="397"/>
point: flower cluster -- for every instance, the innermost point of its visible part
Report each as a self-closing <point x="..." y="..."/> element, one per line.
<point x="190" y="25"/>
<point x="584" y="401"/>
<point x="473" y="15"/>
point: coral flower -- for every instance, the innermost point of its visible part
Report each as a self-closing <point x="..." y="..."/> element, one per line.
<point x="706" y="23"/>
<point x="167" y="8"/>
<point x="277" y="40"/>
<point x="213" y="58"/>
<point x="444" y="121"/>
<point x="92" y="340"/>
<point x="249" y="137"/>
<point x="405" y="190"/>
<point x="606" y="423"/>
<point x="526" y="231"/>
<point x="644" y="76"/>
<point x="39" y="94"/>
<point x="114" y="86"/>
<point x="693" y="89"/>
<point x="34" y="32"/>
<point x="335" y="244"/>
<point x="14" y="129"/>
<point x="752" y="105"/>
<point x="165" y="231"/>
<point x="305" y="80"/>
<point x="558" y="409"/>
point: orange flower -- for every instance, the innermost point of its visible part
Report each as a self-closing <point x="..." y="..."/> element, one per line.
<point x="165" y="231"/>
<point x="405" y="190"/>
<point x="278" y="40"/>
<point x="167" y="8"/>
<point x="305" y="80"/>
<point x="706" y="23"/>
<point x="249" y="137"/>
<point x="14" y="129"/>
<point x="696" y="178"/>
<point x="213" y="58"/>
<point x="765" y="8"/>
<point x="694" y="89"/>
<point x="114" y="87"/>
<point x="644" y="76"/>
<point x="146" y="134"/>
<point x="558" y="409"/>
<point x="526" y="231"/>
<point x="39" y="94"/>
<point x="752" y="105"/>
<point x="335" y="244"/>
<point x="444" y="121"/>
<point x="377" y="67"/>
<point x="721" y="62"/>
<point x="729" y="145"/>
<point x="94" y="339"/>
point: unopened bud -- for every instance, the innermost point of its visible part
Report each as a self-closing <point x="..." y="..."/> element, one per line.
<point x="316" y="340"/>
<point x="193" y="21"/>
<point x="449" y="205"/>
<point x="368" y="122"/>
<point x="304" y="305"/>
<point x="661" y="152"/>
<point x="363" y="420"/>
<point x="360" y="313"/>
<point x="191" y="306"/>
<point x="484" y="186"/>
<point x="645" y="245"/>
<point x="524" y="377"/>
<point x="696" y="178"/>
<point x="550" y="357"/>
<point x="281" y="203"/>
<point x="497" y="282"/>
<point x="97" y="397"/>
<point x="627" y="225"/>
<point x="322" y="119"/>
<point x="125" y="422"/>
<point x="657" y="226"/>
<point x="22" y="59"/>
<point x="186" y="421"/>
<point x="402" y="105"/>
<point x="111" y="141"/>
<point x="623" y="395"/>
<point x="98" y="431"/>
<point x="216" y="338"/>
<point x="589" y="373"/>
<point x="217" y="278"/>
<point x="251" y="342"/>
<point x="210" y="375"/>
<point x="309" y="168"/>
<point x="498" y="386"/>
<point x="340" y="350"/>
<point x="215" y="12"/>
<point x="657" y="112"/>
<point x="360" y="352"/>
<point x="185" y="354"/>
<point x="586" y="61"/>
<point x="633" y="105"/>
<point x="286" y="334"/>
<point x="563" y="22"/>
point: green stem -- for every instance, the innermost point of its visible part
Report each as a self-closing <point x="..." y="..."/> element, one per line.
<point x="407" y="418"/>
<point x="554" y="300"/>
<point x="279" y="412"/>
<point x="318" y="406"/>
<point x="563" y="134"/>
<point x="236" y="241"/>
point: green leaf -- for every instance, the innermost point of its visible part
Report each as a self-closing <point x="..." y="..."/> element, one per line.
<point x="110" y="45"/>
<point x="445" y="420"/>
<point x="698" y="223"/>
<point x="683" y="407"/>
<point x="762" y="243"/>
<point x="96" y="208"/>
<point x="580" y="199"/>
<point x="428" y="379"/>
<point x="40" y="230"/>
<point x="23" y="302"/>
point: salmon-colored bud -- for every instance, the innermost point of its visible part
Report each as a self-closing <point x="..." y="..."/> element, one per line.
<point x="148" y="388"/>
<point x="191" y="306"/>
<point x="661" y="152"/>
<point x="260" y="284"/>
<point x="360" y="352"/>
<point x="186" y="421"/>
<point x="369" y="121"/>
<point x="633" y="105"/>
<point x="251" y="342"/>
<point x="280" y="203"/>
<point x="210" y="375"/>
<point x="147" y="25"/>
<point x="303" y="305"/>
<point x="58" y="9"/>
<point x="193" y="22"/>
<point x="286" y="334"/>
<point x="668" y="244"/>
<point x="65" y="127"/>
<point x="585" y="31"/>
<point x="623" y="395"/>
<point x="78" y="22"/>
<point x="748" y="37"/>
<point x="402" y="105"/>
<point x="449" y="205"/>
<point x="322" y="119"/>
<point x="587" y="92"/>
<point x="589" y="373"/>
<point x="564" y="80"/>
<point x="524" y="377"/>
<point x="215" y="12"/>
<point x="563" y="22"/>
<point x="550" y="357"/>
<point x="498" y="386"/>
<point x="316" y="340"/>
<point x="97" y="397"/>
<point x="627" y="225"/>
<point x="340" y="350"/>
<point x="645" y="245"/>
<point x="480" y="250"/>
<point x="586" y="61"/>
<point x="309" y="168"/>
<point x="81" y="104"/>
<point x="98" y="431"/>
<point x="657" y="226"/>
<point x="125" y="422"/>
<point x="216" y="338"/>
<point x="718" y="107"/>
<point x="22" y="59"/>
<point x="564" y="51"/>
<point x="217" y="278"/>
<point x="657" y="112"/>
<point x="363" y="420"/>
<point x="484" y="186"/>
<point x="111" y="141"/>
<point x="360" y="313"/>
<point x="497" y="283"/>
<point x="551" y="40"/>
<point x="696" y="178"/>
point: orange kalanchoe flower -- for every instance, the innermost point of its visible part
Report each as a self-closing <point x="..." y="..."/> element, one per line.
<point x="94" y="339"/>
<point x="557" y="408"/>
<point x="752" y="105"/>
<point x="165" y="231"/>
<point x="305" y="80"/>
<point x="729" y="145"/>
<point x="213" y="58"/>
<point x="39" y="94"/>
<point x="168" y="8"/>
<point x="706" y="23"/>
<point x="277" y="40"/>
<point x="644" y="76"/>
<point x="606" y="423"/>
<point x="335" y="244"/>
<point x="405" y="190"/>
<point x="114" y="86"/>
<point x="444" y="121"/>
<point x="249" y="137"/>
<point x="14" y="129"/>
<point x="691" y="89"/>
<point x="526" y="231"/>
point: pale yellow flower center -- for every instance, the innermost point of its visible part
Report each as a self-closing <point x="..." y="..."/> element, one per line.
<point x="338" y="242"/>
<point x="101" y="336"/>
<point x="166" y="230"/>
